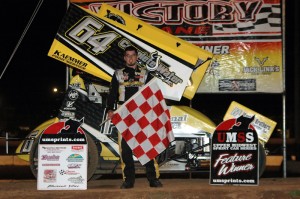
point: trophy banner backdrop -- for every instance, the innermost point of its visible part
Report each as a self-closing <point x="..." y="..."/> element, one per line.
<point x="244" y="36"/>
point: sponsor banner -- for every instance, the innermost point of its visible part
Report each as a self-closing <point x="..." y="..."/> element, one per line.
<point x="234" y="153"/>
<point x="263" y="125"/>
<point x="62" y="157"/>
<point x="184" y="117"/>
<point x="244" y="36"/>
<point x="245" y="67"/>
<point x="95" y="44"/>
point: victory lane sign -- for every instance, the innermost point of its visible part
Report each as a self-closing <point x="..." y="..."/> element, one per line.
<point x="234" y="153"/>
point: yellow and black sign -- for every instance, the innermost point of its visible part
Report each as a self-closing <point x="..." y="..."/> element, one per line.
<point x="95" y="44"/>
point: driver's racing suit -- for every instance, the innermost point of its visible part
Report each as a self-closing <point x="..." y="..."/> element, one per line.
<point x="125" y="83"/>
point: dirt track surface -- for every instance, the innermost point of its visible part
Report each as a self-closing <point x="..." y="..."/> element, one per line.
<point x="173" y="188"/>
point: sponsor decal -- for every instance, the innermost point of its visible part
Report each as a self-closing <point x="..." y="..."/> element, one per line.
<point x="151" y="62"/>
<point x="76" y="85"/>
<point x="69" y="60"/>
<point x="76" y="180"/>
<point x="77" y="148"/>
<point x="68" y="172"/>
<point x="237" y="85"/>
<point x="56" y="186"/>
<point x="50" y="157"/>
<point x="261" y="68"/>
<point x="177" y="120"/>
<point x="49" y="175"/>
<point x="26" y="147"/>
<point x="53" y="149"/>
<point x="69" y="104"/>
<point x="73" y="186"/>
<point x="213" y="68"/>
<point x="75" y="158"/>
<point x="73" y="95"/>
<point x="74" y="166"/>
<point x="67" y="114"/>
<point x="115" y="17"/>
<point x="54" y="165"/>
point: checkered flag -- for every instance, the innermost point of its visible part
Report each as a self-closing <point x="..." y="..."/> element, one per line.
<point x="268" y="19"/>
<point x="144" y="122"/>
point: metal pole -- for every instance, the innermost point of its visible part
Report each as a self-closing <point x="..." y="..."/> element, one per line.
<point x="284" y="135"/>
<point x="284" y="89"/>
<point x="22" y="36"/>
<point x="6" y="138"/>
<point x="67" y="67"/>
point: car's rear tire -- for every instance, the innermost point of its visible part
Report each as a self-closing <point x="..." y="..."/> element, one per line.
<point x="262" y="159"/>
<point x="93" y="157"/>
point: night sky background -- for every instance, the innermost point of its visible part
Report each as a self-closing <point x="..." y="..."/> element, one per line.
<point x="26" y="88"/>
<point x="26" y="95"/>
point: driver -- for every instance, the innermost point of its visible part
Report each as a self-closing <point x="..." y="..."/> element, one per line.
<point x="125" y="83"/>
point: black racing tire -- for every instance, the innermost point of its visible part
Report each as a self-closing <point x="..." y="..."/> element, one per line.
<point x="33" y="157"/>
<point x="262" y="159"/>
<point x="93" y="157"/>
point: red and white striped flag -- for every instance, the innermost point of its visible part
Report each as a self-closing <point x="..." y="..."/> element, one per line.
<point x="144" y="122"/>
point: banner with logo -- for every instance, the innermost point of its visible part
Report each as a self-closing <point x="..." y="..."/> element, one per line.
<point x="244" y="36"/>
<point x="62" y="157"/>
<point x="95" y="43"/>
